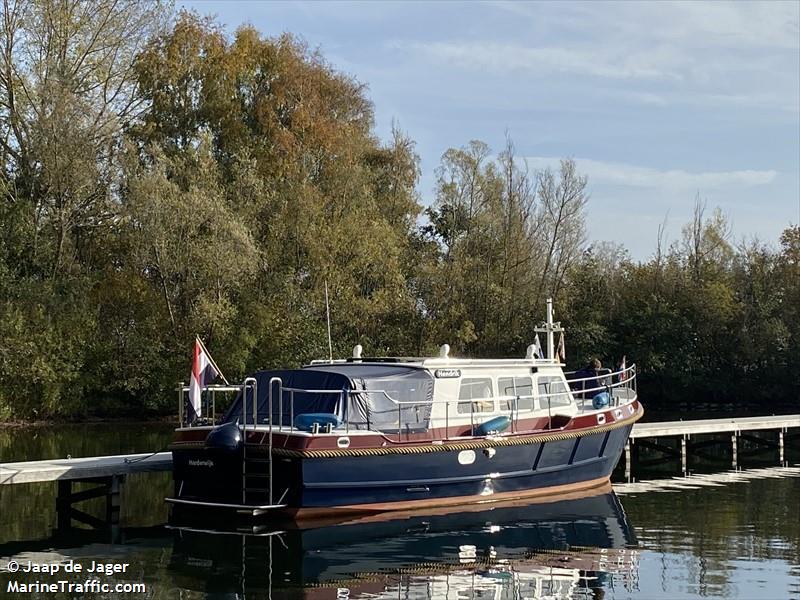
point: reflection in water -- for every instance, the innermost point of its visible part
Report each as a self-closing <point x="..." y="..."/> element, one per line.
<point x="562" y="549"/>
<point x="567" y="549"/>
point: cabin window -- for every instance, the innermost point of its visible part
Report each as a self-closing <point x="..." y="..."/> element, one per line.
<point x="554" y="390"/>
<point x="478" y="396"/>
<point x="519" y="387"/>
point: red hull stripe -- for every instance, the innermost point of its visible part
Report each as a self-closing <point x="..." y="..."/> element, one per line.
<point x="371" y="447"/>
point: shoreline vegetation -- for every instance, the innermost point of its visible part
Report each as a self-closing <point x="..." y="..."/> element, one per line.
<point x="91" y="421"/>
<point x="162" y="178"/>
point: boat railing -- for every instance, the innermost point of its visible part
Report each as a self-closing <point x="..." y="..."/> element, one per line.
<point x="208" y="402"/>
<point x="620" y="387"/>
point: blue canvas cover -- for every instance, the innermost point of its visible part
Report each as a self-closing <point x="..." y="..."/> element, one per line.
<point x="364" y="396"/>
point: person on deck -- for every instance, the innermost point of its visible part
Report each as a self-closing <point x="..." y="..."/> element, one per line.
<point x="592" y="379"/>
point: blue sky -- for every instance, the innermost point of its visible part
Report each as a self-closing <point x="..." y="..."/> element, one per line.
<point x="656" y="102"/>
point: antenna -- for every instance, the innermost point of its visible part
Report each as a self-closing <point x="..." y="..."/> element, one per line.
<point x="328" y="316"/>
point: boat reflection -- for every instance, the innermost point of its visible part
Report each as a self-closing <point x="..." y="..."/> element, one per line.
<point x="565" y="549"/>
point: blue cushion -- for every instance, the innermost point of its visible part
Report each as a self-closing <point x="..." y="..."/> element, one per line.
<point x="495" y="425"/>
<point x="306" y="421"/>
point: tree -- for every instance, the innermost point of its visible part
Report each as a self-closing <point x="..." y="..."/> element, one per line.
<point x="507" y="240"/>
<point x="67" y="89"/>
<point x="562" y="200"/>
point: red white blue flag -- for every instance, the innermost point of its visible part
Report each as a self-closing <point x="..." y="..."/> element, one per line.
<point x="204" y="371"/>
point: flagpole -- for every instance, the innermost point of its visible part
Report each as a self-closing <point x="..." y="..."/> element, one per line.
<point x="211" y="360"/>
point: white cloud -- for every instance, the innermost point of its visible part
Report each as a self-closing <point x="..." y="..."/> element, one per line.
<point x="697" y="53"/>
<point x="515" y="57"/>
<point x="753" y="24"/>
<point x="645" y="177"/>
<point x="701" y="24"/>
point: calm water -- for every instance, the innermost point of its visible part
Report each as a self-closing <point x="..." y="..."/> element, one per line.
<point x="718" y="536"/>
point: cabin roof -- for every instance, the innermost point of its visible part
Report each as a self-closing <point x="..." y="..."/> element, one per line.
<point x="437" y="362"/>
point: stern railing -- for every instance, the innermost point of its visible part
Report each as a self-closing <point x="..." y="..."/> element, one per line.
<point x="208" y="402"/>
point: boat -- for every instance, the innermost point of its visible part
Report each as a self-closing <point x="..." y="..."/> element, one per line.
<point x="372" y="434"/>
<point x="572" y="547"/>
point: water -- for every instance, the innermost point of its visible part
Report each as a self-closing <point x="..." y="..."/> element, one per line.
<point x="708" y="536"/>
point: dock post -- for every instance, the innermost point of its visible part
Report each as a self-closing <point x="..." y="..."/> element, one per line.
<point x="113" y="499"/>
<point x="683" y="455"/>
<point x="780" y="447"/>
<point x="628" y="460"/>
<point x="734" y="450"/>
<point x="109" y="486"/>
<point x="63" y="506"/>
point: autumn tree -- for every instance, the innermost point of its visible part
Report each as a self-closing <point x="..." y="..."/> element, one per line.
<point x="507" y="239"/>
<point x="67" y="88"/>
<point x="322" y="200"/>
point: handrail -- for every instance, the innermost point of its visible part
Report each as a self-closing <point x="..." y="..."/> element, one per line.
<point x="182" y="389"/>
<point x="253" y="383"/>
<point x="272" y="381"/>
<point x="605" y="382"/>
<point x="631" y="369"/>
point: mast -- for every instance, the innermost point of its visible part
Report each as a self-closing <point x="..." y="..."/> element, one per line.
<point x="550" y="328"/>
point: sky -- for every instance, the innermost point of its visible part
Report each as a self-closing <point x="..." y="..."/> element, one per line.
<point x="658" y="103"/>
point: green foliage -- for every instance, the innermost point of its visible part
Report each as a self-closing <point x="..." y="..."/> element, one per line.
<point x="164" y="181"/>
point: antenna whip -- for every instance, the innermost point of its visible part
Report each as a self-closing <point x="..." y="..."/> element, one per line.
<point x="328" y="317"/>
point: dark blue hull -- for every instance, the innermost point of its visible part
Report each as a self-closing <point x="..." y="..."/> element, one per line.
<point x="348" y="481"/>
<point x="388" y="481"/>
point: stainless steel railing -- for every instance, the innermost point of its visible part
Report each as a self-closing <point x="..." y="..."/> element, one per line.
<point x="620" y="385"/>
<point x="210" y="392"/>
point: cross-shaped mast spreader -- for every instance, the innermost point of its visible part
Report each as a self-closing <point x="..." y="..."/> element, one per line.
<point x="550" y="328"/>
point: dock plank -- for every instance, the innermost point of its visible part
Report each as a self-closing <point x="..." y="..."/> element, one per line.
<point x="83" y="468"/>
<point x="700" y="426"/>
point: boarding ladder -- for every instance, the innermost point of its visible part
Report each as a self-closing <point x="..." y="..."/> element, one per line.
<point x="257" y="468"/>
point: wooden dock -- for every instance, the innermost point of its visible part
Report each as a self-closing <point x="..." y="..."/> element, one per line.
<point x="697" y="427"/>
<point x="107" y="473"/>
<point x="728" y="432"/>
<point x="75" y="469"/>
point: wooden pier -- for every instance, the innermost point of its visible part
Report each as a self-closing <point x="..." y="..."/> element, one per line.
<point x="727" y="432"/>
<point x="106" y="472"/>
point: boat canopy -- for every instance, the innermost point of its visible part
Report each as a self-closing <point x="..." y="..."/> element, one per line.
<point x="364" y="396"/>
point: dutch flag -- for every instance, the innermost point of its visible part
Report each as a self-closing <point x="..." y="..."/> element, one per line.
<point x="204" y="371"/>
